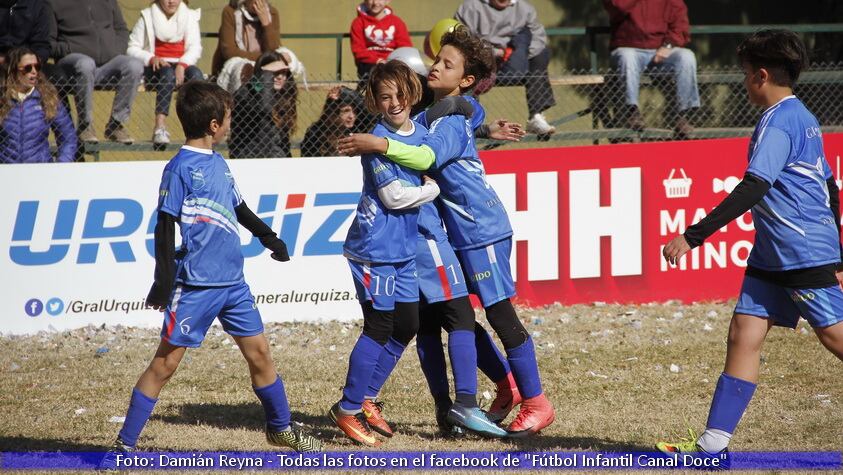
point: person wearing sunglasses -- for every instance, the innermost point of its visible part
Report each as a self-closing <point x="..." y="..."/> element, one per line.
<point x="265" y="111"/>
<point x="29" y="109"/>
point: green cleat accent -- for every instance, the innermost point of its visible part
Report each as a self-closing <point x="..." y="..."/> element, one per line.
<point x="295" y="439"/>
<point x="689" y="446"/>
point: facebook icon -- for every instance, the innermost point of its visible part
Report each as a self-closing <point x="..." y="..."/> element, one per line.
<point x="33" y="307"/>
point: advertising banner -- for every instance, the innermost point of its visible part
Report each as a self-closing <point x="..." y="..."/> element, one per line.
<point x="589" y="225"/>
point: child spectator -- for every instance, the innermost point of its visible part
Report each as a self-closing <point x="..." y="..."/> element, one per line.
<point x="338" y="119"/>
<point x="264" y="114"/>
<point x="204" y="280"/>
<point x="249" y="28"/>
<point x="166" y="38"/>
<point x="375" y="33"/>
<point x="29" y="108"/>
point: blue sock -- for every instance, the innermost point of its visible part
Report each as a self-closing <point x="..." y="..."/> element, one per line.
<point x="432" y="359"/>
<point x="463" y="356"/>
<point x="489" y="358"/>
<point x="389" y="357"/>
<point x="140" y="408"/>
<point x="525" y="369"/>
<point x="274" y="401"/>
<point x="731" y="397"/>
<point x="361" y="364"/>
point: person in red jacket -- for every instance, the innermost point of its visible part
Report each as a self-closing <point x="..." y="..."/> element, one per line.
<point x="651" y="35"/>
<point x="375" y="33"/>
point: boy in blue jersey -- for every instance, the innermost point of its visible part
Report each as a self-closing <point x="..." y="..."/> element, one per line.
<point x="204" y="279"/>
<point x="477" y="224"/>
<point x="381" y="249"/>
<point x="793" y="269"/>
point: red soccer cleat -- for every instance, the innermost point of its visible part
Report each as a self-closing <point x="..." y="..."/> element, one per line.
<point x="536" y="413"/>
<point x="374" y="416"/>
<point x="506" y="399"/>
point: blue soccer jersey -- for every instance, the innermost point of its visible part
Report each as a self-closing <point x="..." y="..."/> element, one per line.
<point x="379" y="234"/>
<point x="795" y="227"/>
<point x="198" y="189"/>
<point x="473" y="214"/>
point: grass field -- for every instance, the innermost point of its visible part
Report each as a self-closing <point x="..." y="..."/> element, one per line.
<point x="608" y="369"/>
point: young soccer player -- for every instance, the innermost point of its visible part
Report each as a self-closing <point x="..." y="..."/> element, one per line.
<point x="475" y="218"/>
<point x="204" y="279"/>
<point x="792" y="269"/>
<point x="381" y="250"/>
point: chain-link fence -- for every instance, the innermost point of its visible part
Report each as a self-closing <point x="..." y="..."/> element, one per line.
<point x="306" y="118"/>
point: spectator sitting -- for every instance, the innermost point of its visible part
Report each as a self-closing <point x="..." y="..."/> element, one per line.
<point x="29" y="108"/>
<point x="650" y="35"/>
<point x="166" y="39"/>
<point x="249" y="28"/>
<point x="264" y="113"/>
<point x="375" y="33"/>
<point x="88" y="39"/>
<point x="25" y="23"/>
<point x="520" y="44"/>
<point x="337" y="120"/>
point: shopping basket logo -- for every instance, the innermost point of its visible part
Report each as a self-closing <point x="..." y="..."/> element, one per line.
<point x="677" y="187"/>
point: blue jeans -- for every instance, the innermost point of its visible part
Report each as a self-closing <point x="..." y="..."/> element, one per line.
<point x="122" y="73"/>
<point x="631" y="62"/>
<point x="164" y="82"/>
<point x="521" y="69"/>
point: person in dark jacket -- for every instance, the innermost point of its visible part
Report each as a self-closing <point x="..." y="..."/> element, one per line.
<point x="651" y="35"/>
<point x="88" y="39"/>
<point x="29" y="108"/>
<point x="264" y="113"/>
<point x="25" y="23"/>
<point x="338" y="119"/>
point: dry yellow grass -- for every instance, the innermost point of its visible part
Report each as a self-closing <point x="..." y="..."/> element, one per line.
<point x="605" y="368"/>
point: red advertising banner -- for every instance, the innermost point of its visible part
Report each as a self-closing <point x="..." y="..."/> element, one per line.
<point x="590" y="222"/>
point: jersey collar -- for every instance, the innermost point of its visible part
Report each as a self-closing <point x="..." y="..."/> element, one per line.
<point x="401" y="132"/>
<point x="198" y="150"/>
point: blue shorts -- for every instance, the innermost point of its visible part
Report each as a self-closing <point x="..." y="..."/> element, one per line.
<point x="193" y="309"/>
<point x="385" y="284"/>
<point x="821" y="307"/>
<point x="440" y="274"/>
<point x="487" y="269"/>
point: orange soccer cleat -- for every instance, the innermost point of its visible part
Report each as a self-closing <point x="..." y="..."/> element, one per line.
<point x="506" y="399"/>
<point x="373" y="410"/>
<point x="354" y="426"/>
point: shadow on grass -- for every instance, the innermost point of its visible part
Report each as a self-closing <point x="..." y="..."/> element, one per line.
<point x="235" y="416"/>
<point x="25" y="444"/>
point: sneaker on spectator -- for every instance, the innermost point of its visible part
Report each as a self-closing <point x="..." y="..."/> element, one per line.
<point x="88" y="135"/>
<point x="117" y="133"/>
<point x="635" y="121"/>
<point x="161" y="136"/>
<point x="538" y="125"/>
<point x="683" y="128"/>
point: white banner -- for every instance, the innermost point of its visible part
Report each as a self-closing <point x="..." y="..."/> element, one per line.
<point x="78" y="240"/>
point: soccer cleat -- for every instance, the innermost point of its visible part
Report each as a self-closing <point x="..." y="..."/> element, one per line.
<point x="446" y="429"/>
<point x="373" y="410"/>
<point x="355" y="427"/>
<point x="474" y="420"/>
<point x="535" y="414"/>
<point x="689" y="446"/>
<point x="506" y="399"/>
<point x="294" y="438"/>
<point x="109" y="460"/>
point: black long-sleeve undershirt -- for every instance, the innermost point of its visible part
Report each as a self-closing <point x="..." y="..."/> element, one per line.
<point x="746" y="195"/>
